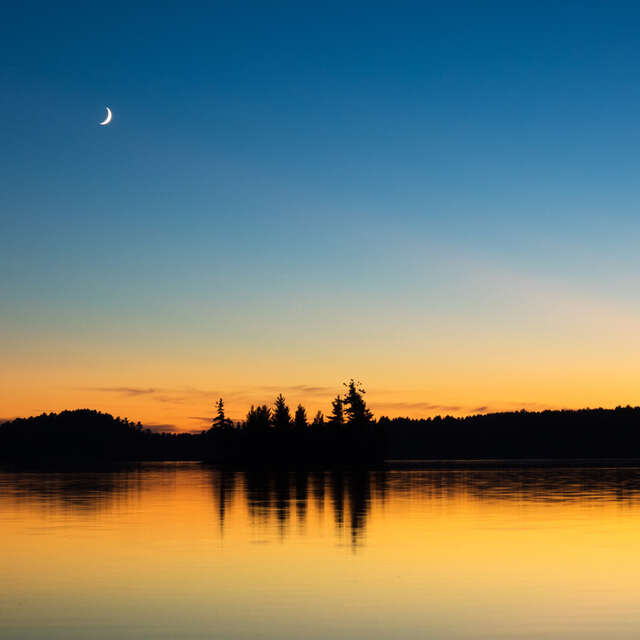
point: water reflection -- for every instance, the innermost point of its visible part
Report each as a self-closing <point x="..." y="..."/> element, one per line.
<point x="282" y="498"/>
<point x="529" y="484"/>
<point x="178" y="549"/>
<point x="72" y="490"/>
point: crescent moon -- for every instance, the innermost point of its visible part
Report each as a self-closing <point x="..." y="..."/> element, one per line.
<point x="107" y="120"/>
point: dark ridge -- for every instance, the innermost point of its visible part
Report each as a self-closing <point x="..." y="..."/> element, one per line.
<point x="85" y="435"/>
<point x="559" y="434"/>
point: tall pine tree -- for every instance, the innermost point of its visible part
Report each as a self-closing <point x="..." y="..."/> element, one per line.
<point x="281" y="418"/>
<point x="221" y="421"/>
<point x="336" y="417"/>
<point x="300" y="418"/>
<point x="355" y="408"/>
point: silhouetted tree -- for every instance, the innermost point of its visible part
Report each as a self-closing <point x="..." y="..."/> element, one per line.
<point x="281" y="416"/>
<point x="318" y="419"/>
<point x="355" y="408"/>
<point x="300" y="418"/>
<point x="336" y="417"/>
<point x="221" y="421"/>
<point x="258" y="419"/>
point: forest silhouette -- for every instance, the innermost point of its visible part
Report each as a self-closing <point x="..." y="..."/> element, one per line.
<point x="271" y="435"/>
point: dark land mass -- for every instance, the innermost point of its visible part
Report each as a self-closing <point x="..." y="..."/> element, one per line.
<point x="560" y="434"/>
<point x="90" y="436"/>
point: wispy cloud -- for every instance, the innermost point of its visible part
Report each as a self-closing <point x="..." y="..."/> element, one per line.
<point x="127" y="391"/>
<point x="167" y="428"/>
<point x="529" y="406"/>
<point x="511" y="406"/>
<point x="160" y="394"/>
<point x="299" y="388"/>
<point x="398" y="408"/>
<point x="422" y="406"/>
<point x="184" y="395"/>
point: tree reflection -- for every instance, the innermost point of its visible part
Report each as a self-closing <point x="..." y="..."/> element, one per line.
<point x="339" y="500"/>
<point x="282" y="498"/>
<point x="76" y="490"/>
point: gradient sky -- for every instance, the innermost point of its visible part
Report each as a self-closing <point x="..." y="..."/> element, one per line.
<point x="440" y="200"/>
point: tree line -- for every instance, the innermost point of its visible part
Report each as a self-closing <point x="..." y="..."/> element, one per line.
<point x="559" y="433"/>
<point x="349" y="434"/>
<point x="349" y="411"/>
<point x="272" y="434"/>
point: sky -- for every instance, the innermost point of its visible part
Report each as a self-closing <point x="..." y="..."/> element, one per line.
<point x="438" y="199"/>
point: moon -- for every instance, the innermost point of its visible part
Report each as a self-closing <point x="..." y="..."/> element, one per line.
<point x="107" y="120"/>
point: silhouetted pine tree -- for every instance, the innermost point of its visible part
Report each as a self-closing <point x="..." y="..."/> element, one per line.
<point x="355" y="408"/>
<point x="300" y="418"/>
<point x="336" y="417"/>
<point x="318" y="420"/>
<point x="221" y="421"/>
<point x="281" y="419"/>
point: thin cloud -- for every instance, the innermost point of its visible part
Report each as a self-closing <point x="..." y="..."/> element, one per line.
<point x="166" y="428"/>
<point x="297" y="388"/>
<point x="513" y="406"/>
<point x="169" y="399"/>
<point x="170" y="396"/>
<point x="424" y="406"/>
<point x="529" y="406"/>
<point x="399" y="407"/>
<point x="127" y="391"/>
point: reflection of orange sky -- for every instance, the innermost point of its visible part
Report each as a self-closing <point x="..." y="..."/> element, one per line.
<point x="452" y="562"/>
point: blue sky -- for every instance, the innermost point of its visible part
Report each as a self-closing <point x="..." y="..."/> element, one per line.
<point x="274" y="161"/>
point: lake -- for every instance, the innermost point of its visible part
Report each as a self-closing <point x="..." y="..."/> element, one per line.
<point x="182" y="551"/>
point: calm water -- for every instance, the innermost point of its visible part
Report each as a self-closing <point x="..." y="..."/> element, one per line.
<point x="178" y="550"/>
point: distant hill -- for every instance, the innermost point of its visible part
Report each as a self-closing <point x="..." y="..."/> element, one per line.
<point x="86" y="434"/>
<point x="582" y="433"/>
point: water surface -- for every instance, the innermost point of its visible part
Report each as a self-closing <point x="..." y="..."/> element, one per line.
<point x="180" y="550"/>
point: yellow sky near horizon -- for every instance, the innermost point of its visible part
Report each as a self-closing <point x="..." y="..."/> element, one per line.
<point x="533" y="345"/>
<point x="161" y="402"/>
